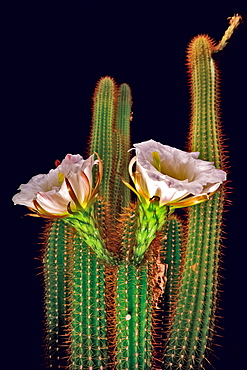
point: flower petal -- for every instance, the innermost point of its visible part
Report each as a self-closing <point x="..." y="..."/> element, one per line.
<point x="53" y="202"/>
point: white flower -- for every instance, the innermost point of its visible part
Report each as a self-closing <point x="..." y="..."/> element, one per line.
<point x="62" y="191"/>
<point x="176" y="178"/>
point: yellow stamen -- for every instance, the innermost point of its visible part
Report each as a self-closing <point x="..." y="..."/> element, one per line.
<point x="156" y="161"/>
<point x="60" y="178"/>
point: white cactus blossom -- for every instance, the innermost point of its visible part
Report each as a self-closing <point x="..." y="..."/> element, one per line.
<point x="175" y="177"/>
<point x="64" y="190"/>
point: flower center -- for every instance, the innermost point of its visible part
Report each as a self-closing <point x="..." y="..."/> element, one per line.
<point x="156" y="161"/>
<point x="171" y="168"/>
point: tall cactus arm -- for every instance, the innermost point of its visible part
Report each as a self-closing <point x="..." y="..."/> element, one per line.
<point x="110" y="138"/>
<point x="102" y="133"/>
<point x="123" y="118"/>
<point x="205" y="135"/>
<point x="195" y="312"/>
<point x="205" y="128"/>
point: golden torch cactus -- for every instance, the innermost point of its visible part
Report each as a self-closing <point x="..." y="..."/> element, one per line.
<point x="128" y="284"/>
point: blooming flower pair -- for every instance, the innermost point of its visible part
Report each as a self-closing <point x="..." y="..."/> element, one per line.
<point x="173" y="177"/>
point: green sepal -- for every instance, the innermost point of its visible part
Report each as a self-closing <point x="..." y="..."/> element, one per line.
<point x="85" y="223"/>
<point x="151" y="218"/>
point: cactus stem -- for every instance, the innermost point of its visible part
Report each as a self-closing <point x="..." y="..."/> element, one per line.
<point x="57" y="277"/>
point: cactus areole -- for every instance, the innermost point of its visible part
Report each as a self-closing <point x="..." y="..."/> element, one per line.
<point x="129" y="284"/>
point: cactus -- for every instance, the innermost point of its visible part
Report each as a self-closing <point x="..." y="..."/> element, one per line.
<point x="130" y="285"/>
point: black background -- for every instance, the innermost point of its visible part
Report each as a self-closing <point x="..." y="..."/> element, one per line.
<point x="54" y="54"/>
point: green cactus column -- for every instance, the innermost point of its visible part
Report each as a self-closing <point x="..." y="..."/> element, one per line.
<point x="57" y="263"/>
<point x="134" y="297"/>
<point x="172" y="255"/>
<point x="93" y="312"/>
<point x="134" y="317"/>
<point x="110" y="138"/>
<point x="194" y="321"/>
<point x="121" y="193"/>
<point x="87" y="310"/>
<point x="102" y="132"/>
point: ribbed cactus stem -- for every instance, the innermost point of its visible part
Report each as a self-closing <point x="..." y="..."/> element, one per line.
<point x="134" y="318"/>
<point x="102" y="133"/>
<point x="198" y="292"/>
<point x="88" y="317"/>
<point x="172" y="256"/>
<point x="123" y="117"/>
<point x="134" y="300"/>
<point x="110" y="138"/>
<point x="194" y="319"/>
<point x="204" y="134"/>
<point x="57" y="277"/>
<point x="127" y="321"/>
<point x="145" y="315"/>
<point x="205" y="127"/>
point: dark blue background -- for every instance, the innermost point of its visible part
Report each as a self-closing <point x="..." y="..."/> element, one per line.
<point x="54" y="56"/>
